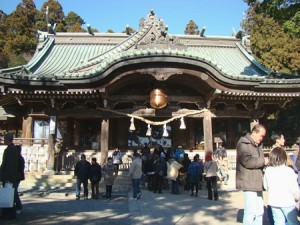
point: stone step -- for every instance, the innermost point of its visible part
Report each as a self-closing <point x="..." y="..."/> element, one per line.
<point x="38" y="181"/>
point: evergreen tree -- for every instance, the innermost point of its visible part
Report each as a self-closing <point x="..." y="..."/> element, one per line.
<point x="51" y="13"/>
<point x="76" y="28"/>
<point x="128" y="29"/>
<point x="4" y="59"/>
<point x="191" y="28"/>
<point x="20" y="37"/>
<point x="274" y="28"/>
<point x="74" y="22"/>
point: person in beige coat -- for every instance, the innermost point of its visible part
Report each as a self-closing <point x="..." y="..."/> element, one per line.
<point x="135" y="172"/>
<point x="173" y="175"/>
<point x="109" y="172"/>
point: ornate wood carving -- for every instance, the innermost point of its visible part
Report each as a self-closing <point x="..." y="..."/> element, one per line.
<point x="163" y="74"/>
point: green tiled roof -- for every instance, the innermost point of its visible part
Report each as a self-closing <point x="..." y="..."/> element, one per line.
<point x="80" y="55"/>
<point x="65" y="57"/>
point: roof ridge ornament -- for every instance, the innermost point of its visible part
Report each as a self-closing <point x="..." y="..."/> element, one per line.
<point x="157" y="22"/>
<point x="159" y="33"/>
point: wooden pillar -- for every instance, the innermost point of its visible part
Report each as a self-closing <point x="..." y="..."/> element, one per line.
<point x="27" y="129"/>
<point x="104" y="141"/>
<point x="77" y="141"/>
<point x="51" y="142"/>
<point x="50" y="161"/>
<point x="231" y="134"/>
<point x="191" y="133"/>
<point x="70" y="133"/>
<point x="207" y="130"/>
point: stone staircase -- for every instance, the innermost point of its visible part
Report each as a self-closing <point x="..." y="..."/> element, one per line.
<point x="35" y="181"/>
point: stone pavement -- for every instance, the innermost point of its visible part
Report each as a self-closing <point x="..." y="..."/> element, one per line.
<point x="167" y="209"/>
<point x="60" y="207"/>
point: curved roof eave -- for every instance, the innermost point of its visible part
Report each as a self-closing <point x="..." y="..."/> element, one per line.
<point x="149" y="58"/>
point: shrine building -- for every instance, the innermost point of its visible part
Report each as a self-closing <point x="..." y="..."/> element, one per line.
<point x="104" y="90"/>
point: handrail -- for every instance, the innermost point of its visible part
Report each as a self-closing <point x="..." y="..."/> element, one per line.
<point x="28" y="141"/>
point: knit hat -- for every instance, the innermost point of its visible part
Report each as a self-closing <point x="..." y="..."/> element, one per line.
<point x="9" y="137"/>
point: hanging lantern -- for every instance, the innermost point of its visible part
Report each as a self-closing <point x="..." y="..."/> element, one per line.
<point x="132" y="127"/>
<point x="182" y="124"/>
<point x="148" y="133"/>
<point x="158" y="99"/>
<point x="165" y="133"/>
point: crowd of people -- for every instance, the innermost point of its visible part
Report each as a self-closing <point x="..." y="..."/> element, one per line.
<point x="85" y="171"/>
<point x="172" y="170"/>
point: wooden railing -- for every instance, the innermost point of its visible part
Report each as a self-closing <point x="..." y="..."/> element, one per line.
<point x="28" y="141"/>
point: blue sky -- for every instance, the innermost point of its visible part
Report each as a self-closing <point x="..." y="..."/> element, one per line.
<point x="218" y="16"/>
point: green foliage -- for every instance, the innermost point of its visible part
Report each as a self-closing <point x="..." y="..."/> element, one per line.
<point x="17" y="61"/>
<point x="54" y="16"/>
<point x="76" y="28"/>
<point x="293" y="26"/>
<point x="19" y="44"/>
<point x="4" y="59"/>
<point x="191" y="28"/>
<point x="130" y="30"/>
<point x="71" y="20"/>
<point x="18" y="30"/>
<point x="274" y="26"/>
<point x="95" y="30"/>
<point x="110" y="31"/>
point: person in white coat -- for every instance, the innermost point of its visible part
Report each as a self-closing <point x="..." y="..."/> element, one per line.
<point x="281" y="183"/>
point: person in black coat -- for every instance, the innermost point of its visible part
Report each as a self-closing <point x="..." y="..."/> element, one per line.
<point x="9" y="173"/>
<point x="82" y="173"/>
<point x="21" y="176"/>
<point x="95" y="178"/>
<point x="160" y="169"/>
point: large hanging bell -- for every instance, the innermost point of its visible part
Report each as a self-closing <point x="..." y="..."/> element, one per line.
<point x="158" y="99"/>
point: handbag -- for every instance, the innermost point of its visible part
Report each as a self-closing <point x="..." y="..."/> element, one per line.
<point x="7" y="196"/>
<point x="204" y="174"/>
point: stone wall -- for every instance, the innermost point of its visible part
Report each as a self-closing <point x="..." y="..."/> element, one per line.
<point x="36" y="158"/>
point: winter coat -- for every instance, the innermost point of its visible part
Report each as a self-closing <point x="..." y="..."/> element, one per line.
<point x="160" y="167"/>
<point x="210" y="168"/>
<point x="21" y="168"/>
<point x="82" y="170"/>
<point x="135" y="170"/>
<point x="95" y="172"/>
<point x="281" y="184"/>
<point x="195" y="170"/>
<point x="174" y="170"/>
<point x="109" y="172"/>
<point x="9" y="166"/>
<point x="249" y="165"/>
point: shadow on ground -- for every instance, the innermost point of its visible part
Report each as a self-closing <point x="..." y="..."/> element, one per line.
<point x="61" y="209"/>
